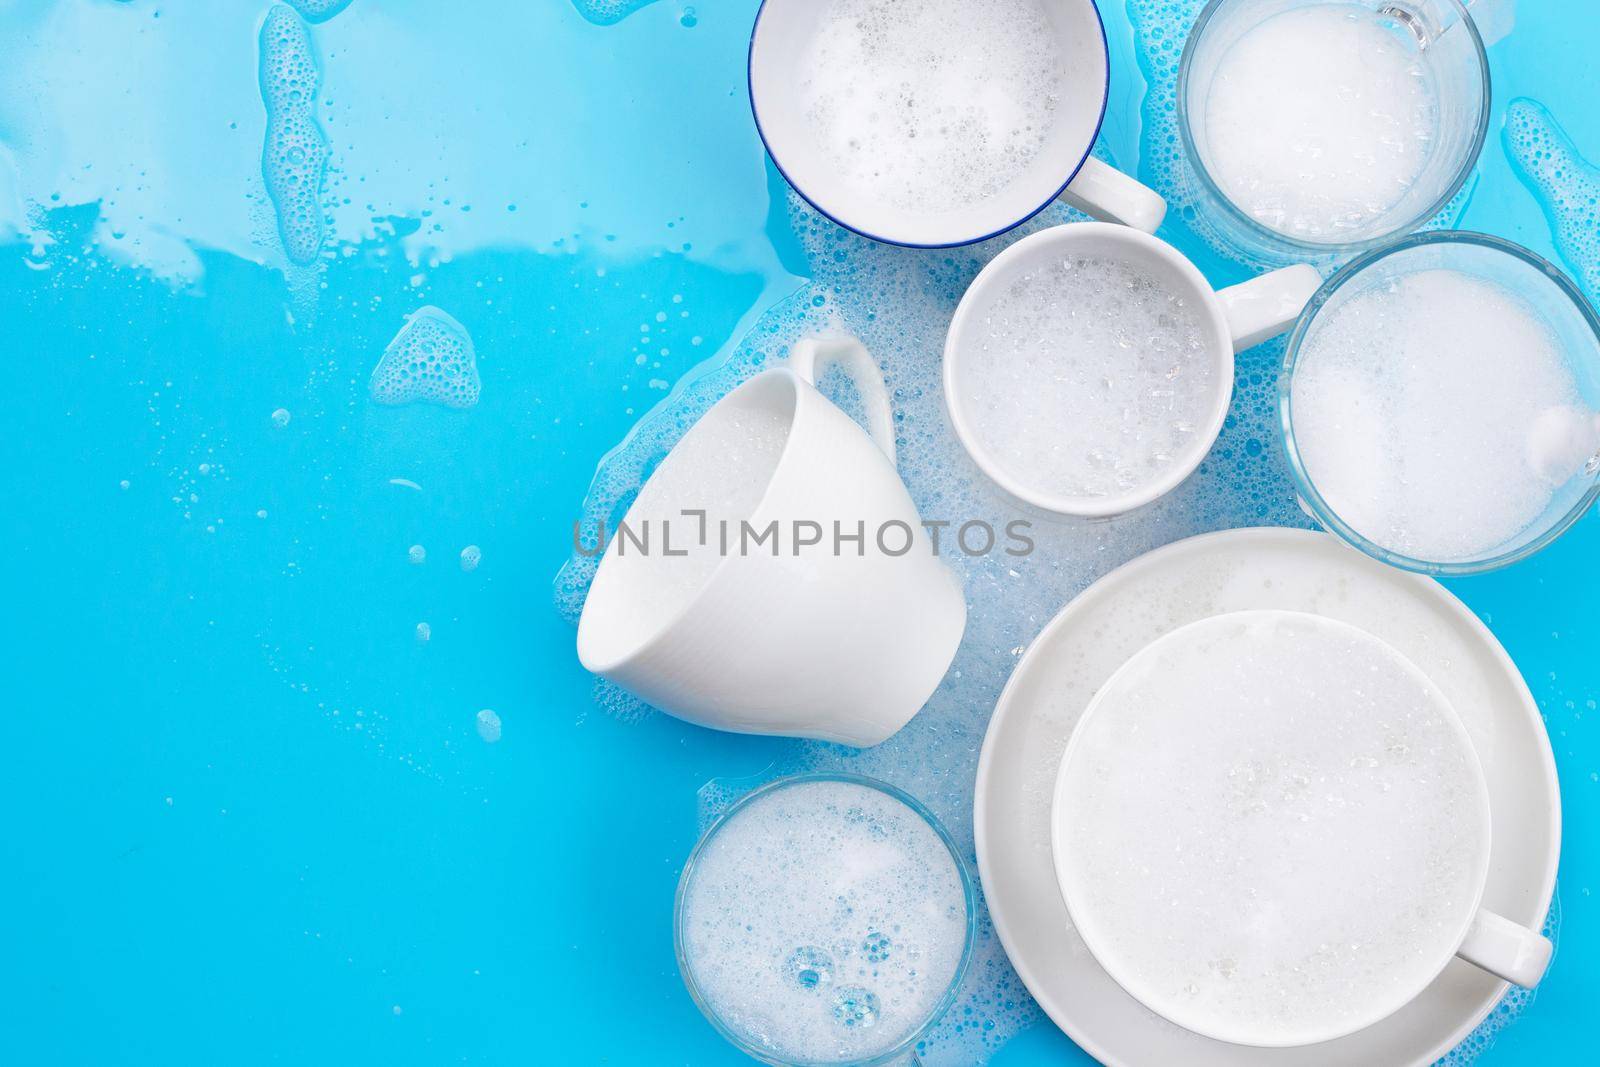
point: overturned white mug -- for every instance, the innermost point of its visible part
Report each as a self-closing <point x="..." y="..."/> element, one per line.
<point x="773" y="576"/>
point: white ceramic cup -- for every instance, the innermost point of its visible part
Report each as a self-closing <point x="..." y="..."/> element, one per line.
<point x="1063" y="168"/>
<point x="1234" y="319"/>
<point x="840" y="641"/>
<point x="1465" y="928"/>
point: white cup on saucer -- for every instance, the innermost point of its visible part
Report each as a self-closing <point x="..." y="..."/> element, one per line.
<point x="1226" y="321"/>
<point x="1272" y="829"/>
<point x="773" y="575"/>
<point x="783" y="53"/>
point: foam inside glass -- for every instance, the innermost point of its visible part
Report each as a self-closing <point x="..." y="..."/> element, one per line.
<point x="1539" y="283"/>
<point x="1447" y="42"/>
<point x="689" y="868"/>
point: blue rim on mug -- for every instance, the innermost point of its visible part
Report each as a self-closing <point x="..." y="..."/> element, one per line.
<point x="1258" y="231"/>
<point x="1313" y="500"/>
<point x="969" y="900"/>
<point x="1099" y="123"/>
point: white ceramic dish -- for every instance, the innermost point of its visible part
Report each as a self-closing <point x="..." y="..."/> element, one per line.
<point x="1210" y="575"/>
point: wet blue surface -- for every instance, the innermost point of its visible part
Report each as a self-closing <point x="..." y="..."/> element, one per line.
<point x="250" y="816"/>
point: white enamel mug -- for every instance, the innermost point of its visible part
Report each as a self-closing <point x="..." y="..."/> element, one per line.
<point x="779" y="49"/>
<point x="800" y="632"/>
<point x="1233" y="320"/>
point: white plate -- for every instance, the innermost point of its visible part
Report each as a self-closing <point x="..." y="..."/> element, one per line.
<point x="1194" y="579"/>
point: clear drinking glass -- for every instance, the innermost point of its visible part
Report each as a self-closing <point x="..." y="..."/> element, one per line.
<point x="1543" y="287"/>
<point x="903" y="1053"/>
<point x="1440" y="36"/>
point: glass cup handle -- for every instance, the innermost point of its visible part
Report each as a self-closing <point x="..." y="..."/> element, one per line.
<point x="1495" y="19"/>
<point x="1506" y="949"/>
<point x="1262" y="308"/>
<point x="1104" y="192"/>
<point x="811" y="354"/>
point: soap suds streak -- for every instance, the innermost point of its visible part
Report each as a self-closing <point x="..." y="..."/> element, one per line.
<point x="294" y="158"/>
<point x="608" y="12"/>
<point x="319" y="10"/>
<point x="1566" y="185"/>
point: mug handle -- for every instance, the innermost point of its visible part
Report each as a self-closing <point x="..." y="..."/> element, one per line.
<point x="1104" y="192"/>
<point x="1506" y="949"/>
<point x="811" y="354"/>
<point x="1262" y="308"/>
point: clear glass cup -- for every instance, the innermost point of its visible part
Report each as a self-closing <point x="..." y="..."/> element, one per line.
<point x="1441" y="36"/>
<point x="1543" y="286"/>
<point x="903" y="1053"/>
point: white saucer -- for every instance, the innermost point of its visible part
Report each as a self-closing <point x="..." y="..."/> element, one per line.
<point x="1194" y="579"/>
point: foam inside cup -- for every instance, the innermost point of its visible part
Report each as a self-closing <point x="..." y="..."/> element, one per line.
<point x="1453" y="63"/>
<point x="784" y="34"/>
<point x="1442" y="392"/>
<point x="1271" y="828"/>
<point x="1146" y="255"/>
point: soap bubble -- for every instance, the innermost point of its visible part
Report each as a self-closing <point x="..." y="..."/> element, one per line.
<point x="856" y="1007"/>
<point x="809" y="967"/>
<point x="431" y="360"/>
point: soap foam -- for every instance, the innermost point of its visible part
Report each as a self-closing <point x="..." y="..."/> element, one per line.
<point x="1428" y="410"/>
<point x="1319" y="119"/>
<point x="294" y="158"/>
<point x="936" y="105"/>
<point x="900" y="306"/>
<point x="824" y="922"/>
<point x="319" y="10"/>
<point x="1276" y="826"/>
<point x="431" y="360"/>
<point x="1566" y="185"/>
<point x="1087" y="377"/>
<point x="608" y="12"/>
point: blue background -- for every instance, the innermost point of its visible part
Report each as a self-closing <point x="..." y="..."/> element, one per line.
<point x="248" y="818"/>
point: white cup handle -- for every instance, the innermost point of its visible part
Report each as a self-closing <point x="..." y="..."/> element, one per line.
<point x="1104" y="192"/>
<point x="1507" y="950"/>
<point x="810" y="354"/>
<point x="1262" y="308"/>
